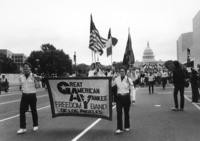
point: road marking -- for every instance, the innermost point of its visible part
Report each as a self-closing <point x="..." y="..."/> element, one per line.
<point x="157" y="105"/>
<point x="88" y="128"/>
<point x="10" y="94"/>
<point x="196" y="105"/>
<point x="19" y="100"/>
<point x="170" y="92"/>
<point x="5" y="119"/>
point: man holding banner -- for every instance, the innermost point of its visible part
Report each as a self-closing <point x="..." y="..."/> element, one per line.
<point x="123" y="101"/>
<point x="28" y="98"/>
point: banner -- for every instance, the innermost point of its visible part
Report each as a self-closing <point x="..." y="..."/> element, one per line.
<point x="89" y="97"/>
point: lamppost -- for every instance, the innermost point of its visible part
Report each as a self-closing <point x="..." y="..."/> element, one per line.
<point x="75" y="62"/>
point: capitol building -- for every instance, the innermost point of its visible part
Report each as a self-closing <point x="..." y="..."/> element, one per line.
<point x="148" y="58"/>
<point x="148" y="55"/>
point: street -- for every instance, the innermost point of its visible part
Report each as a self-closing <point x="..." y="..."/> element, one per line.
<point x="151" y="120"/>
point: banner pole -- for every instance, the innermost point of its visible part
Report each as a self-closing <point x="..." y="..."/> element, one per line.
<point x="92" y="55"/>
<point x="111" y="59"/>
<point x="95" y="58"/>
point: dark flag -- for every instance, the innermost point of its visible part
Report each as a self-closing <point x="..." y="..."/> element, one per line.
<point x="129" y="58"/>
<point x="190" y="63"/>
<point x="75" y="57"/>
<point x="109" y="51"/>
<point x="188" y="55"/>
<point x="97" y="43"/>
<point x="112" y="41"/>
<point x="109" y="43"/>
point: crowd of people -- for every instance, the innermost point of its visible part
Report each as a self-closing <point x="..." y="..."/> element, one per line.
<point x="149" y="75"/>
<point x="124" y="81"/>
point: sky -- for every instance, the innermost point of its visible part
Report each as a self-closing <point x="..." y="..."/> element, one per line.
<point x="27" y="24"/>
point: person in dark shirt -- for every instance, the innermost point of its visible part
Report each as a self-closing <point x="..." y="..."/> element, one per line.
<point x="179" y="77"/>
<point x="194" y="85"/>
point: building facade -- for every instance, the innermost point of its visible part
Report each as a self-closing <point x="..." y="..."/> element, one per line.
<point x="184" y="41"/>
<point x="195" y="51"/>
<point x="6" y="52"/>
<point x="148" y="59"/>
<point x="148" y="55"/>
<point x="18" y="58"/>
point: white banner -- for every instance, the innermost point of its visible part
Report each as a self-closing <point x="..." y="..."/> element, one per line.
<point x="80" y="97"/>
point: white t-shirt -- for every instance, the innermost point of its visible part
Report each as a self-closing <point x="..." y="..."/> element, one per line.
<point x="28" y="84"/>
<point x="151" y="78"/>
<point x="123" y="86"/>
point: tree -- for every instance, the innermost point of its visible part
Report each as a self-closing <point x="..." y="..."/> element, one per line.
<point x="7" y="65"/>
<point x="47" y="47"/>
<point x="50" y="61"/>
<point x="82" y="69"/>
<point x="34" y="60"/>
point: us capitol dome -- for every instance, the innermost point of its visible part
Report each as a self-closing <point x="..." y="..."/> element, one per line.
<point x="148" y="55"/>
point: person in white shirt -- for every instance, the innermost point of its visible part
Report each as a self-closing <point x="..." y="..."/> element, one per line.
<point x="164" y="78"/>
<point x="151" y="79"/>
<point x="123" y="100"/>
<point x="92" y="71"/>
<point x="28" y="98"/>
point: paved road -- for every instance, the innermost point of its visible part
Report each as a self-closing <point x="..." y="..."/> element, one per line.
<point x="151" y="120"/>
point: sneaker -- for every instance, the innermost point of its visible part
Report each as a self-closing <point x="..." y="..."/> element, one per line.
<point x="21" y="131"/>
<point x="174" y="109"/>
<point x="127" y="129"/>
<point x="118" y="131"/>
<point x="35" y="128"/>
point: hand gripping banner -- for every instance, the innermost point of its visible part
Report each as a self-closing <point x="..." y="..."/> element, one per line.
<point x="89" y="97"/>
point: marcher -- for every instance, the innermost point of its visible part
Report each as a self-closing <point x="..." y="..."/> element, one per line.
<point x="123" y="101"/>
<point x="194" y="85"/>
<point x="92" y="70"/>
<point x="179" y="78"/>
<point x="164" y="79"/>
<point x="4" y="83"/>
<point x="151" y="79"/>
<point x="0" y="85"/>
<point x="142" y="79"/>
<point x="28" y="98"/>
<point x="132" y="76"/>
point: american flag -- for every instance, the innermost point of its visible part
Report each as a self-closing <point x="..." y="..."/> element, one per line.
<point x="112" y="41"/>
<point x="97" y="43"/>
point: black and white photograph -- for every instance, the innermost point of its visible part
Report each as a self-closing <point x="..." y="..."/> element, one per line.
<point x="99" y="70"/>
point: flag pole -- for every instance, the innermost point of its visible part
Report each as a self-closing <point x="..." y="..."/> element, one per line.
<point x="111" y="46"/>
<point x="129" y="35"/>
<point x="95" y="58"/>
<point x="75" y="62"/>
<point x="111" y="58"/>
<point x="92" y="55"/>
